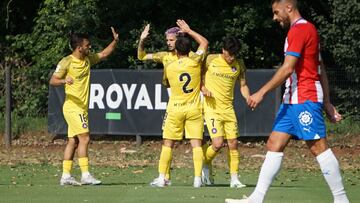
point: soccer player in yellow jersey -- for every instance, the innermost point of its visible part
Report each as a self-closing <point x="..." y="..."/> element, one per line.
<point x="164" y="57"/>
<point x="221" y="73"/>
<point x="184" y="111"/>
<point x="73" y="71"/>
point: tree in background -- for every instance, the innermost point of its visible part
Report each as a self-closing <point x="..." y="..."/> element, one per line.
<point x="339" y="31"/>
<point x="44" y="46"/>
<point x="42" y="41"/>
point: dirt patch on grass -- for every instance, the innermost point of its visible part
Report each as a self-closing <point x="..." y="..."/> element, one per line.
<point x="42" y="148"/>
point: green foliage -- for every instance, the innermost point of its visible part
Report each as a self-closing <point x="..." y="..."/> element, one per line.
<point x="154" y="43"/>
<point x="40" y="49"/>
<point x="348" y="126"/>
<point x="341" y="43"/>
<point x="45" y="46"/>
<point x="261" y="41"/>
<point x="21" y="125"/>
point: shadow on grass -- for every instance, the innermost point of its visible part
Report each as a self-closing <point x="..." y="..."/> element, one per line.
<point x="125" y="184"/>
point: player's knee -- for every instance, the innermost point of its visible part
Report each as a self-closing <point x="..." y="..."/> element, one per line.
<point x="232" y="143"/>
<point x="83" y="139"/>
<point x="217" y="145"/>
<point x="72" y="143"/>
<point x="274" y="146"/>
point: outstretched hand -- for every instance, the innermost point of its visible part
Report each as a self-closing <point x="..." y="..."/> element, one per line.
<point x="333" y="115"/>
<point x="145" y="32"/>
<point x="184" y="27"/>
<point x="115" y="34"/>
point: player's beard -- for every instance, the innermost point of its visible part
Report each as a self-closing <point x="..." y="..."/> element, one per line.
<point x="285" y="24"/>
<point x="171" y="49"/>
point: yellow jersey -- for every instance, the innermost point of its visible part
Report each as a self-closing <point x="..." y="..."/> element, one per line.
<point x="76" y="94"/>
<point x="184" y="77"/>
<point x="164" y="57"/>
<point x="220" y="79"/>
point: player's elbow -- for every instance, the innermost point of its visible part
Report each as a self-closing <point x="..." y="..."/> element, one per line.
<point x="287" y="70"/>
<point x="52" y="81"/>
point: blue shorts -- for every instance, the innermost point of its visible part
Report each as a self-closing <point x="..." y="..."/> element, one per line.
<point x="303" y="121"/>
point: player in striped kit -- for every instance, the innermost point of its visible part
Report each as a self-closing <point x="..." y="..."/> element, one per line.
<point x="300" y="115"/>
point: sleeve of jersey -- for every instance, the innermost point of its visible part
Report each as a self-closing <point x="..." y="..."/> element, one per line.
<point x="141" y="55"/>
<point x="199" y="56"/>
<point x="94" y="58"/>
<point x="296" y="41"/>
<point x="62" y="67"/>
<point x="159" y="56"/>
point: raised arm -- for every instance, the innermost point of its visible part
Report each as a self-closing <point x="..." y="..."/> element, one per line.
<point x="202" y="41"/>
<point x="111" y="47"/>
<point x="141" y="54"/>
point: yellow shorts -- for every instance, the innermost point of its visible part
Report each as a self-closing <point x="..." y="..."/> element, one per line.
<point x="176" y="122"/>
<point x="77" y="122"/>
<point x="222" y="125"/>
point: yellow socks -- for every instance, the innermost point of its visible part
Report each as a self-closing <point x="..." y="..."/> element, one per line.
<point x="165" y="158"/>
<point x="233" y="158"/>
<point x="167" y="175"/>
<point x="84" y="164"/>
<point x="209" y="155"/>
<point x="198" y="160"/>
<point x="67" y="165"/>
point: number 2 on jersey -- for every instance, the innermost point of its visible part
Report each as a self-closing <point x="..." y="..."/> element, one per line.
<point x="187" y="78"/>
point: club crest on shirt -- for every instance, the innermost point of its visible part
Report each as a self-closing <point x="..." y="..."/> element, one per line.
<point x="233" y="69"/>
<point x="84" y="125"/>
<point x="214" y="130"/>
<point x="305" y="118"/>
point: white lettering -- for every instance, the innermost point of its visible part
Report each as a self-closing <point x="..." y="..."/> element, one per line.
<point x="96" y="96"/>
<point x="129" y="93"/>
<point x="158" y="103"/>
<point x="143" y="99"/>
<point x="114" y="104"/>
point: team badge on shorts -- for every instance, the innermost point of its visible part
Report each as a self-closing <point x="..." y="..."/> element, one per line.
<point x="305" y="118"/>
<point x="84" y="125"/>
<point x="233" y="69"/>
<point x="214" y="130"/>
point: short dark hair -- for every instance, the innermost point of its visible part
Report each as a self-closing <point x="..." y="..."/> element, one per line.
<point x="76" y="39"/>
<point x="231" y="45"/>
<point x="182" y="45"/>
<point x="293" y="2"/>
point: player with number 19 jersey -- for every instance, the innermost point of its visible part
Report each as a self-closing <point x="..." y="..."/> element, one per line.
<point x="184" y="77"/>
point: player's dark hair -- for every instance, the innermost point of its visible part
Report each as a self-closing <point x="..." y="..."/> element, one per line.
<point x="231" y="45"/>
<point x="76" y="39"/>
<point x="293" y="2"/>
<point x="182" y="45"/>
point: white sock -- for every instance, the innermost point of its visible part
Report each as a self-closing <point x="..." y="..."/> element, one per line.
<point x="330" y="168"/>
<point x="234" y="176"/>
<point x="162" y="176"/>
<point x="66" y="175"/>
<point x="269" y="170"/>
<point x="85" y="174"/>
